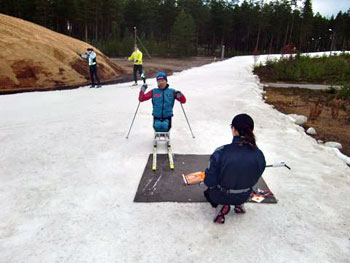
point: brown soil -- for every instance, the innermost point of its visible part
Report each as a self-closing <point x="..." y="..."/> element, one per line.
<point x="168" y="65"/>
<point x="303" y="101"/>
<point x="35" y="58"/>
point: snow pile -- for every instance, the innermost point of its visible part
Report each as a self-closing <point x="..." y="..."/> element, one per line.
<point x="298" y="119"/>
<point x="336" y="145"/>
<point x="311" y="131"/>
<point x="36" y="58"/>
<point x="68" y="178"/>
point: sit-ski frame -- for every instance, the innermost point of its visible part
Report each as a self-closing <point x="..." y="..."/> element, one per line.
<point x="162" y="137"/>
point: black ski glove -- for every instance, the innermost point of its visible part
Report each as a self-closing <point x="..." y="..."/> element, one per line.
<point x="178" y="94"/>
<point x="144" y="88"/>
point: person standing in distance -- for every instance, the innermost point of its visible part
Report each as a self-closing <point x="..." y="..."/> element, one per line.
<point x="90" y="56"/>
<point x="136" y="56"/>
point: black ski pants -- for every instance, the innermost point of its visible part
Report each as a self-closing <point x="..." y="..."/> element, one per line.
<point x="215" y="197"/>
<point x="137" y="68"/>
<point x="93" y="75"/>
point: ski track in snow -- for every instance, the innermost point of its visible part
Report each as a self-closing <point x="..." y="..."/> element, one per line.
<point x="68" y="178"/>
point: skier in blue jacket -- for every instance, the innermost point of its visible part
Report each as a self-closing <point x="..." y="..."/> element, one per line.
<point x="234" y="169"/>
<point x="163" y="99"/>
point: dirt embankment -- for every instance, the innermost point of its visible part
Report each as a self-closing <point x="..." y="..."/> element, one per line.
<point x="35" y="58"/>
<point x="328" y="114"/>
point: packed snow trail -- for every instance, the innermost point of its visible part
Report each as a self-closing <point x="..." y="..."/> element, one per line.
<point x="68" y="178"/>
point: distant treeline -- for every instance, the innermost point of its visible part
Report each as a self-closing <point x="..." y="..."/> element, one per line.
<point x="189" y="27"/>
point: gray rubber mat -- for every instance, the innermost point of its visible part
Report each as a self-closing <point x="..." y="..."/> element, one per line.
<point x="165" y="185"/>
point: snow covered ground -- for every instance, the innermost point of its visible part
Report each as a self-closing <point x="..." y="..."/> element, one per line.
<point x="68" y="178"/>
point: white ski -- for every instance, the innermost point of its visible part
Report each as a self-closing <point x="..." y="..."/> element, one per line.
<point x="170" y="156"/>
<point x="154" y="163"/>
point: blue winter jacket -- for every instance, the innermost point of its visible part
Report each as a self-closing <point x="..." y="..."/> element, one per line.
<point x="163" y="102"/>
<point x="235" y="166"/>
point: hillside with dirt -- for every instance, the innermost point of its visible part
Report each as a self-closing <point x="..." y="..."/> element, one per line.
<point x="33" y="57"/>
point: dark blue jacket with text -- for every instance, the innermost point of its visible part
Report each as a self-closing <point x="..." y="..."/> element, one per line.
<point x="235" y="166"/>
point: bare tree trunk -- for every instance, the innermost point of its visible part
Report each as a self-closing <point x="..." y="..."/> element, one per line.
<point x="286" y="36"/>
<point x="57" y="25"/>
<point x="96" y="25"/>
<point x="291" y="30"/>
<point x="301" y="37"/>
<point x="213" y="51"/>
<point x="86" y="32"/>
<point x="257" y="40"/>
<point x="270" y="49"/>
<point x="278" y="40"/>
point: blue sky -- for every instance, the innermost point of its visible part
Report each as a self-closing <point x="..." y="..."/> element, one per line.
<point x="329" y="7"/>
<point x="325" y="7"/>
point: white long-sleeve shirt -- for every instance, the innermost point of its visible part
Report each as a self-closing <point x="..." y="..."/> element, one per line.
<point x="91" y="57"/>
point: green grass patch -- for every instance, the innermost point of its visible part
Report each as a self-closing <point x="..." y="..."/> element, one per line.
<point x="334" y="70"/>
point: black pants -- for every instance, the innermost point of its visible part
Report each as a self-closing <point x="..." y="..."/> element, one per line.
<point x="93" y="75"/>
<point x="137" y="68"/>
<point x="215" y="197"/>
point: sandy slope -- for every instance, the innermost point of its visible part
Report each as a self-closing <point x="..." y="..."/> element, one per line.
<point x="68" y="178"/>
<point x="34" y="57"/>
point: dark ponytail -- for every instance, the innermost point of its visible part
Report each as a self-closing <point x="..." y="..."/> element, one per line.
<point x="244" y="125"/>
<point x="247" y="136"/>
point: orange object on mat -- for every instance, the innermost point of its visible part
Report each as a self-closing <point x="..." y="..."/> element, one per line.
<point x="194" y="178"/>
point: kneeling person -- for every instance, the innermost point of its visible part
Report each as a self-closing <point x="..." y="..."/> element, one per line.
<point x="163" y="99"/>
<point x="234" y="169"/>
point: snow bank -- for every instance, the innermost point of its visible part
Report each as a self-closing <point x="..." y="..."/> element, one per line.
<point x="345" y="158"/>
<point x="334" y="145"/>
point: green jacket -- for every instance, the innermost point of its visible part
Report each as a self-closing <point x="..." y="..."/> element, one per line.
<point x="137" y="57"/>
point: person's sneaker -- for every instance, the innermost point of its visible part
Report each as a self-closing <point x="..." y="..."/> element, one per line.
<point x="220" y="219"/>
<point x="135" y="84"/>
<point x="239" y="209"/>
<point x="221" y="211"/>
<point x="225" y="209"/>
<point x="99" y="86"/>
<point x="92" y="86"/>
<point x="143" y="77"/>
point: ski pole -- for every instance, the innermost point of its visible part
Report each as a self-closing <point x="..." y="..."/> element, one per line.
<point x="281" y="164"/>
<point x="127" y="136"/>
<point x="197" y="178"/>
<point x="187" y="120"/>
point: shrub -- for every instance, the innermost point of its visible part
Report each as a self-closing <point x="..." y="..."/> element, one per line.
<point x="344" y="92"/>
<point x="331" y="90"/>
<point x="334" y="69"/>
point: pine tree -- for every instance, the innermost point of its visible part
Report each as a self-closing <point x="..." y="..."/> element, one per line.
<point x="306" y="28"/>
<point x="183" y="34"/>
